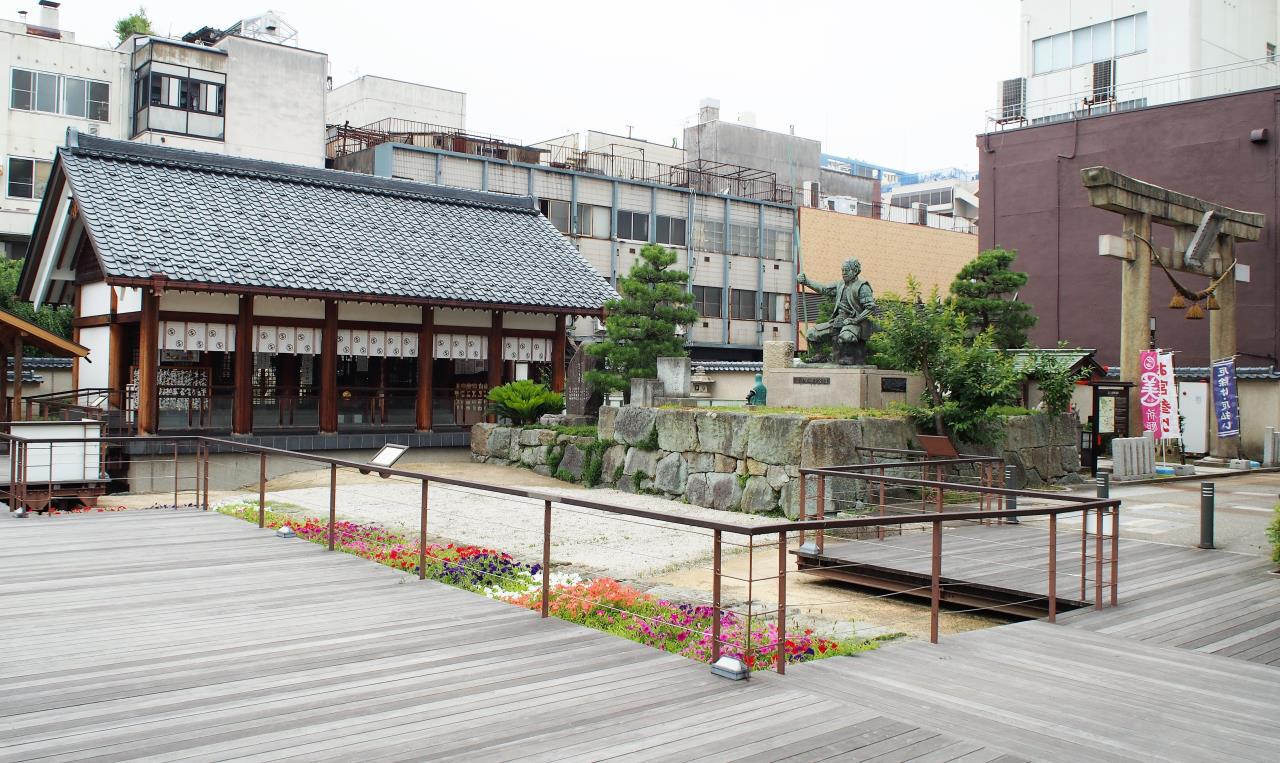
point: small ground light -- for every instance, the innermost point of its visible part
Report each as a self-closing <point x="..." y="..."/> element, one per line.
<point x="387" y="457"/>
<point x="286" y="532"/>
<point x="731" y="668"/>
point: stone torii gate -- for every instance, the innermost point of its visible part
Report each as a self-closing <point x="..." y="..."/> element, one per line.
<point x="1204" y="239"/>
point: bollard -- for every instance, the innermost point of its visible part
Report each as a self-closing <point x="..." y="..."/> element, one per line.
<point x="1103" y="482"/>
<point x="1206" y="515"/>
<point x="1011" y="502"/>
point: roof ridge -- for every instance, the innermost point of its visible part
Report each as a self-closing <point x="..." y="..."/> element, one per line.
<point x="129" y="151"/>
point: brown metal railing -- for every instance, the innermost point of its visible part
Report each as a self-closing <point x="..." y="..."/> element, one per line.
<point x="29" y="491"/>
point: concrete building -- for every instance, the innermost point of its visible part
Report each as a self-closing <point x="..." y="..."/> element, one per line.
<point x="369" y="99"/>
<point x="952" y="197"/>
<point x="1098" y="56"/>
<point x="794" y="160"/>
<point x="734" y="228"/>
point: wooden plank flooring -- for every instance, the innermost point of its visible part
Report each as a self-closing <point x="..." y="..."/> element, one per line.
<point x="171" y="635"/>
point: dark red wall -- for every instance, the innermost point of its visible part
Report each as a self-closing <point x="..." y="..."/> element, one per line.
<point x="1033" y="201"/>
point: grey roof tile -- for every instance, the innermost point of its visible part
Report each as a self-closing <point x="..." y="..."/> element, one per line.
<point x="207" y="218"/>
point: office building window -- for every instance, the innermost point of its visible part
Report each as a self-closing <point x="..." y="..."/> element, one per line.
<point x="633" y="226"/>
<point x="777" y="244"/>
<point x="744" y="239"/>
<point x="708" y="235"/>
<point x="186" y="94"/>
<point x="928" y="198"/>
<point x="1051" y="53"/>
<point x="776" y="307"/>
<point x="38" y="91"/>
<point x="555" y="211"/>
<point x="28" y="177"/>
<point x="706" y="300"/>
<point x="593" y="221"/>
<point x="1098" y="42"/>
<point x="743" y="304"/>
<point x="671" y="231"/>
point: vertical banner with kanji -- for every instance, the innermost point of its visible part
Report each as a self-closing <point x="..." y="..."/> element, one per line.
<point x="1149" y="390"/>
<point x="1169" y="425"/>
<point x="1226" y="406"/>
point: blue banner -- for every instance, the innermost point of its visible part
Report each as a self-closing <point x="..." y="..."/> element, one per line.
<point x="1226" y="406"/>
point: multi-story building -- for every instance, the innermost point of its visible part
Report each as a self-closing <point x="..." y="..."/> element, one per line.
<point x="734" y="228"/>
<point x="946" y="193"/>
<point x="1098" y="56"/>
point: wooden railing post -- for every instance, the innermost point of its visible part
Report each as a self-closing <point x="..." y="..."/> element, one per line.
<point x="262" y="490"/>
<point x="803" y="514"/>
<point x="175" y="473"/>
<point x="546" y="557"/>
<point x="716" y="613"/>
<point x="206" y="476"/>
<point x="782" y="602"/>
<point x="935" y="593"/>
<point x="820" y="511"/>
<point x="1084" y="554"/>
<point x="1115" y="554"/>
<point x="1097" y="562"/>
<point x="333" y="501"/>
<point x="422" y="535"/>
<point x="1053" y="567"/>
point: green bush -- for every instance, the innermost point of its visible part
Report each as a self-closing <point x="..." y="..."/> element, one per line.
<point x="1273" y="535"/>
<point x="1057" y="382"/>
<point x="524" y="401"/>
<point x="650" y="442"/>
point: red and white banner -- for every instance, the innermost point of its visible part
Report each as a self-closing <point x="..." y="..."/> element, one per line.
<point x="1149" y="390"/>
<point x="1168" y="400"/>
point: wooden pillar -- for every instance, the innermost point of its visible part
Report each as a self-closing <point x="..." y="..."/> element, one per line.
<point x="148" y="363"/>
<point x="426" y="354"/>
<point x="1135" y="311"/>
<point x="329" y="369"/>
<point x="1222" y="342"/>
<point x="117" y="367"/>
<point x="17" y="376"/>
<point x="495" y="355"/>
<point x="4" y="383"/>
<point x="242" y="395"/>
<point x="557" y="356"/>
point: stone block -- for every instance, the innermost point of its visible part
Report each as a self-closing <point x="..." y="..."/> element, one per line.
<point x="645" y="392"/>
<point x="604" y="422"/>
<point x="502" y="443"/>
<point x="671" y="474"/>
<point x="610" y="461"/>
<point x="634" y="424"/>
<point x="790" y="498"/>
<point x="756" y="468"/>
<point x="723" y="433"/>
<point x="775" y="439"/>
<point x="534" y="455"/>
<point x="777" y="477"/>
<point x="725" y="464"/>
<point x="480" y="438"/>
<point x="677" y="429"/>
<point x="543" y="469"/>
<point x="699" y="463"/>
<point x="831" y="442"/>
<point x="573" y="460"/>
<point x="675" y="377"/>
<point x="716" y="491"/>
<point x="758" y="496"/>
<point x="638" y="460"/>
<point x="778" y="354"/>
<point x="536" y="437"/>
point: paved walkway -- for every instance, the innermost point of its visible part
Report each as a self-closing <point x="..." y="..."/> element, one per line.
<point x="195" y="636"/>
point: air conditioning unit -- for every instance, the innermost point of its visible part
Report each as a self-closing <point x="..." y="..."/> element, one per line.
<point x="1104" y="81"/>
<point x="1013" y="100"/>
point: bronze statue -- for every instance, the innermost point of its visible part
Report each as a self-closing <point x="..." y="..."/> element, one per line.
<point x="850" y="326"/>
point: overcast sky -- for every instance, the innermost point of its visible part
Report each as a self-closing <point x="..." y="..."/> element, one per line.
<point x="904" y="84"/>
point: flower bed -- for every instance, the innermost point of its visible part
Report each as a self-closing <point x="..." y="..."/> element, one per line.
<point x="601" y="603"/>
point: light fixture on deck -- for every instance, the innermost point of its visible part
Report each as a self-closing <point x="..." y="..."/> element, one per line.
<point x="731" y="668"/>
<point x="386" y="457"/>
<point x="286" y="532"/>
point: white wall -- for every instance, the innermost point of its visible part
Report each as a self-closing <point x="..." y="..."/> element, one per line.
<point x="630" y="147"/>
<point x="275" y="102"/>
<point x="369" y="99"/>
<point x="98" y="340"/>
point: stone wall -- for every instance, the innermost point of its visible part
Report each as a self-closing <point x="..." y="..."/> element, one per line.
<point x="735" y="461"/>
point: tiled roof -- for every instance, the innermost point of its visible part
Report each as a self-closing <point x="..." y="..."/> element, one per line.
<point x="210" y="219"/>
<point x="752" y="366"/>
<point x="1201" y="373"/>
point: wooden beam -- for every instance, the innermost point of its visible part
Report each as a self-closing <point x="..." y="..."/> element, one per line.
<point x="242" y="403"/>
<point x="557" y="355"/>
<point x="426" y="358"/>
<point x="495" y="350"/>
<point x="329" y="369"/>
<point x="148" y="363"/>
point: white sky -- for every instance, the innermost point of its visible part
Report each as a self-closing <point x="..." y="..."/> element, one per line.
<point x="904" y="84"/>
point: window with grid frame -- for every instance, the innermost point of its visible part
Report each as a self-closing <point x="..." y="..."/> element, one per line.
<point x="671" y="231"/>
<point x="633" y="226"/>
<point x="708" y="235"/>
<point x="743" y="305"/>
<point x="707" y="300"/>
<point x="27" y="178"/>
<point x="594" y="221"/>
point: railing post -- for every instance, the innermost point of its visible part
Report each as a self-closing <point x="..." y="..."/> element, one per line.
<point x="1115" y="554"/>
<point x="751" y="579"/>
<point x="175" y="471"/>
<point x="1097" y="562"/>
<point x="820" y="511"/>
<point x="1084" y="554"/>
<point x="1206" y="515"/>
<point x="262" y="492"/>
<point x="880" y="528"/>
<point x="716" y="614"/>
<point x="422" y="536"/>
<point x="782" y="602"/>
<point x="546" y="557"/>
<point x="333" y="501"/>
<point x="937" y="498"/>
<point x="804" y="508"/>
<point x="206" y="476"/>
<point x="935" y="594"/>
<point x="1053" y="567"/>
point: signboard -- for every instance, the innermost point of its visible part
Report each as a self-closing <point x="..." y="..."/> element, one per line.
<point x="1106" y="415"/>
<point x="811" y="380"/>
<point x="1226" y="406"/>
<point x="1149" y="390"/>
<point x="1169" y="425"/>
<point x="893" y="384"/>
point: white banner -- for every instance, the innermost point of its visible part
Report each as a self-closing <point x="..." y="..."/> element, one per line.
<point x="1168" y="399"/>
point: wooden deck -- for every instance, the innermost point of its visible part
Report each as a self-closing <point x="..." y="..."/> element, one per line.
<point x="198" y="636"/>
<point x="195" y="636"/>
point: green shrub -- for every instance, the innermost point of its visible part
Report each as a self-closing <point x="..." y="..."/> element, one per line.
<point x="1056" y="380"/>
<point x="564" y="476"/>
<point x="524" y="401"/>
<point x="582" y="430"/>
<point x="1009" y="410"/>
<point x="617" y="473"/>
<point x="1273" y="535"/>
<point x="554" y="457"/>
<point x="637" y="478"/>
<point x="650" y="442"/>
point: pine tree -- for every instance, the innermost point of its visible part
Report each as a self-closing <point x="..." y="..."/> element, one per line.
<point x="641" y="324"/>
<point x="983" y="292"/>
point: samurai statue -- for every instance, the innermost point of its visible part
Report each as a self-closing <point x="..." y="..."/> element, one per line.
<point x="850" y="326"/>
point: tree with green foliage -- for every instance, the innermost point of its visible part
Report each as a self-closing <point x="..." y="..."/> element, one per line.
<point x="985" y="291"/>
<point x="1056" y="380"/>
<point x="135" y="23"/>
<point x="641" y="324"/>
<point x="54" y="320"/>
<point x="966" y="380"/>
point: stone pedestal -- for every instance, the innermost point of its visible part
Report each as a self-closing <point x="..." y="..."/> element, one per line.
<point x="674" y="376"/>
<point x="821" y="385"/>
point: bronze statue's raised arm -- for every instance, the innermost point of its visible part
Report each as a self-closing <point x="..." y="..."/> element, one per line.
<point x="823" y="288"/>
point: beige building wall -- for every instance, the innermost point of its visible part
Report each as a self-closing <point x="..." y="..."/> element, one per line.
<point x="889" y="251"/>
